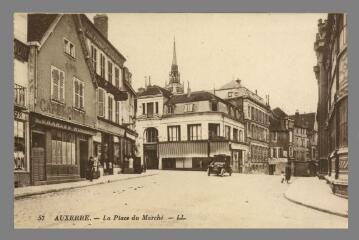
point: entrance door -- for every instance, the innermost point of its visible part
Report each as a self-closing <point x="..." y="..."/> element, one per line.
<point x="38" y="157"/>
<point x="152" y="160"/>
<point x="271" y="169"/>
<point x="83" y="158"/>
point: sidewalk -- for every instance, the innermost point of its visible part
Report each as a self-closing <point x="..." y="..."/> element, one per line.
<point x="24" y="192"/>
<point x="315" y="193"/>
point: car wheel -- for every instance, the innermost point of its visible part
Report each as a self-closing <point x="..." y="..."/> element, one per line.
<point x="222" y="172"/>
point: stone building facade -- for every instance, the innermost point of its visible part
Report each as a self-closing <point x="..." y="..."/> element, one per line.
<point x="256" y="113"/>
<point x="331" y="73"/>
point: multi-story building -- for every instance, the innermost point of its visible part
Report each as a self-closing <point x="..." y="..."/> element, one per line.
<point x="256" y="119"/>
<point x="79" y="96"/>
<point x="61" y="99"/>
<point x="115" y="140"/>
<point x="185" y="131"/>
<point x="304" y="144"/>
<point x="280" y="141"/>
<point x="21" y="113"/>
<point x="332" y="75"/>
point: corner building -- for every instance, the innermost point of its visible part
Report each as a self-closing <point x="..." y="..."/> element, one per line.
<point x="256" y="113"/>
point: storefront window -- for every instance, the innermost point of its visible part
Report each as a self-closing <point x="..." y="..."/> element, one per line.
<point x="19" y="148"/>
<point x="63" y="148"/>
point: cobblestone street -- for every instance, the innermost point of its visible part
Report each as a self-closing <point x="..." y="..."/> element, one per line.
<point x="199" y="201"/>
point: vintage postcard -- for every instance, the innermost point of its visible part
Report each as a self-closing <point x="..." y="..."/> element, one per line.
<point x="180" y="120"/>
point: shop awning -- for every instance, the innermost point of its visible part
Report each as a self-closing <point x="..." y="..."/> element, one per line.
<point x="183" y="149"/>
<point x="277" y="160"/>
<point x="219" y="148"/>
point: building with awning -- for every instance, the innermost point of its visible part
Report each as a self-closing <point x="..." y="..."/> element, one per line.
<point x="186" y="131"/>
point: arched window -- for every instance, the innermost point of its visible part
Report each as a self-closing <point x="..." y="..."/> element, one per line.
<point x="151" y="135"/>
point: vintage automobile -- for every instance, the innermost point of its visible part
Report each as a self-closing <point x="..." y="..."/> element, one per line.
<point x="220" y="165"/>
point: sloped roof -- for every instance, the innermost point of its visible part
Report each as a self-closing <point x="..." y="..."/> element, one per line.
<point x="232" y="84"/>
<point x="279" y="112"/>
<point x="305" y="120"/>
<point x="194" y="97"/>
<point x="38" y="23"/>
<point x="309" y="119"/>
<point x="154" y="90"/>
<point x="85" y="18"/>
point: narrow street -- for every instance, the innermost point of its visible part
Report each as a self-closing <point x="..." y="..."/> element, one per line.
<point x="239" y="201"/>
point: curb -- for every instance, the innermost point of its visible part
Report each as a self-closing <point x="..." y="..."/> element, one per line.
<point x="316" y="208"/>
<point x="25" y="195"/>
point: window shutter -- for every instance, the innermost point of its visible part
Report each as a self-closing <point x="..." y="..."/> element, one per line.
<point x="55" y="83"/>
<point x="62" y="83"/>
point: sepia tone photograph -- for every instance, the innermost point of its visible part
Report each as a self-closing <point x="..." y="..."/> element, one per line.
<point x="180" y="120"/>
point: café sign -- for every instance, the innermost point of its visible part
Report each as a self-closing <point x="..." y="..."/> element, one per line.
<point x="60" y="125"/>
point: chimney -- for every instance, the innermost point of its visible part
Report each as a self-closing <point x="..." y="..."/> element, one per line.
<point x="238" y="82"/>
<point x="297" y="113"/>
<point x="149" y="80"/>
<point x="188" y="90"/>
<point x="101" y="23"/>
<point x="145" y="81"/>
<point x="256" y="92"/>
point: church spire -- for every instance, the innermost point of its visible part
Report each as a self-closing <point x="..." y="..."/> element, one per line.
<point x="174" y="84"/>
<point x="174" y="59"/>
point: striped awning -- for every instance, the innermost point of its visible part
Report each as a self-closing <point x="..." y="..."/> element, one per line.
<point x="182" y="149"/>
<point x="219" y="148"/>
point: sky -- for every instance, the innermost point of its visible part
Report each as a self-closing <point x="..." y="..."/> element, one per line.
<point x="270" y="53"/>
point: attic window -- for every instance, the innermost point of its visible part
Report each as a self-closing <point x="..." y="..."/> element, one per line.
<point x="230" y="94"/>
<point x="214" y="106"/>
<point x="69" y="48"/>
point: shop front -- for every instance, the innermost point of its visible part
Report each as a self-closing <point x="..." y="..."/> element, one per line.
<point x="183" y="155"/>
<point x="21" y="149"/>
<point x="113" y="148"/>
<point x="59" y="149"/>
<point x="238" y="154"/>
<point x="277" y="165"/>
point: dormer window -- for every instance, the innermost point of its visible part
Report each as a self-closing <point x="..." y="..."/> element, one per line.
<point x="188" y="107"/>
<point x="170" y="109"/>
<point x="214" y="106"/>
<point x="69" y="48"/>
<point x="230" y="94"/>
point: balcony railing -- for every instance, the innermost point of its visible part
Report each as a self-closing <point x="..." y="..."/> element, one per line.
<point x="19" y="95"/>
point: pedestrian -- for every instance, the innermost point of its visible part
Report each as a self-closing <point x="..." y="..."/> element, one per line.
<point x="288" y="173"/>
<point x="282" y="177"/>
<point x="90" y="168"/>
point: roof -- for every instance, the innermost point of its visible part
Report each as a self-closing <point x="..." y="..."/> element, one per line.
<point x="38" y="24"/>
<point x="231" y="84"/>
<point x="195" y="97"/>
<point x="154" y="90"/>
<point x="305" y="120"/>
<point x="308" y="119"/>
<point x="279" y="112"/>
<point x="84" y="17"/>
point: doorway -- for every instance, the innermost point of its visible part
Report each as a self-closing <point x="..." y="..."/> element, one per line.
<point x="271" y="169"/>
<point x="38" y="167"/>
<point x="83" y="158"/>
